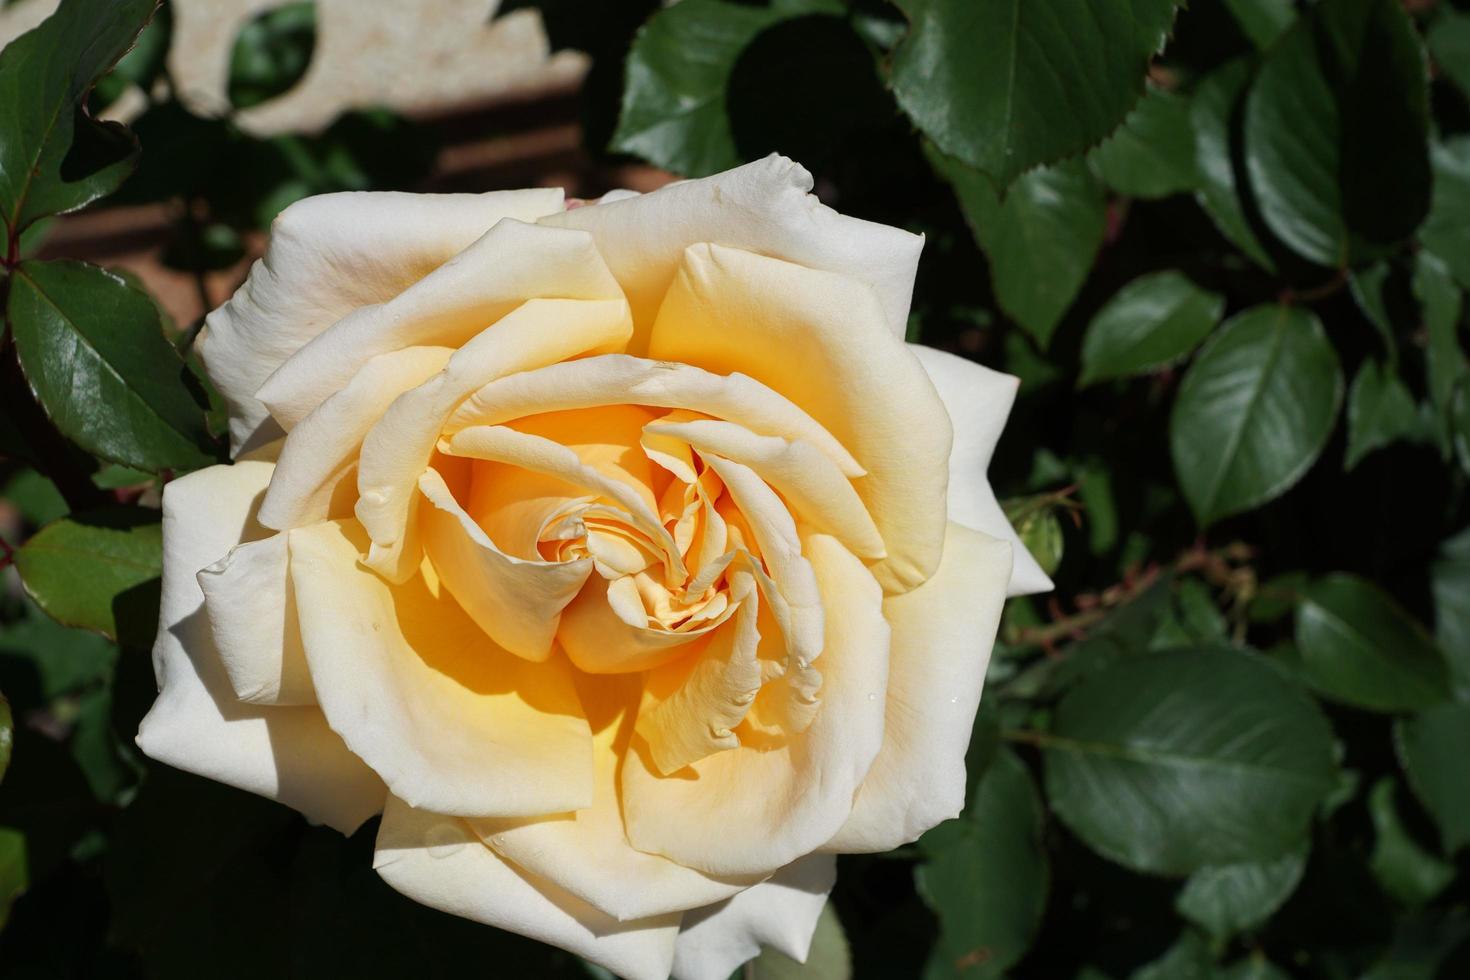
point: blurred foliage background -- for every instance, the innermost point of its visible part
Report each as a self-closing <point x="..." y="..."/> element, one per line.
<point x="1226" y="250"/>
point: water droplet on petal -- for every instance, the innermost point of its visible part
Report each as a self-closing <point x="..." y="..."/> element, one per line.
<point x="872" y="697"/>
<point x="444" y="840"/>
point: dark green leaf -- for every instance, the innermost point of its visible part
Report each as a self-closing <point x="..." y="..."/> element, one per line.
<point x="1405" y="870"/>
<point x="1227" y="899"/>
<point x="1380" y="412"/>
<point x="1367" y="285"/>
<point x="13" y="876"/>
<point x="1222" y="184"/>
<point x="1336" y="127"/>
<point x="1173" y="761"/>
<point x="1152" y="153"/>
<point x="1254" y="411"/>
<point x="54" y="157"/>
<point x="95" y="356"/>
<point x="1450" y="581"/>
<point x="827" y="959"/>
<point x="1446" y="232"/>
<point x="50" y="659"/>
<point x="1154" y="321"/>
<point x="98" y="571"/>
<point x="1361" y="648"/>
<point x="1187" y="959"/>
<point x="1433" y="748"/>
<point x="986" y="876"/>
<point x="7" y="735"/>
<point x="1040" y="241"/>
<point x="271" y="53"/>
<point x="1005" y="86"/>
<point x="1421" y="943"/>
<point x="1190" y="619"/>
<point x="1263" y="21"/>
<point x="1441" y="301"/>
<point x="1449" y="43"/>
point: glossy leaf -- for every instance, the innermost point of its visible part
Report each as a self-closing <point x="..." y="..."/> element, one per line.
<point x="1441" y="302"/>
<point x="1154" y="321"/>
<point x="1380" y="411"/>
<point x="96" y="358"/>
<point x="1223" y="190"/>
<point x="1263" y="21"/>
<point x="54" y="157"/>
<point x="98" y="571"/>
<point x="1174" y="761"/>
<point x="985" y="875"/>
<point x="1005" y="86"/>
<point x="1336" y="126"/>
<point x="1446" y="231"/>
<point x="1404" y="869"/>
<point x="1227" y="899"/>
<point x="1360" y="647"/>
<point x="1040" y="241"/>
<point x="1152" y="154"/>
<point x="1254" y="411"/>
<point x="1433" y="749"/>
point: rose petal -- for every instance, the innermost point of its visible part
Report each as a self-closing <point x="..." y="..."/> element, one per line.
<point x="762" y="207"/>
<point x="285" y="753"/>
<point x="509" y="264"/>
<point x="753" y="810"/>
<point x="438" y="861"/>
<point x="978" y="401"/>
<point x="586" y="852"/>
<point x="601" y="641"/>
<point x="942" y="636"/>
<point x="781" y="912"/>
<point x="819" y="339"/>
<point x="450" y="721"/>
<point x="329" y="255"/>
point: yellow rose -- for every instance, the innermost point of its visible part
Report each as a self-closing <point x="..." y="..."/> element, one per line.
<point x="622" y="558"/>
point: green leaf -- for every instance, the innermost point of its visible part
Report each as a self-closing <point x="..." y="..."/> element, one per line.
<point x="1263" y="21"/>
<point x="1336" y="127"/>
<point x="985" y="875"/>
<point x="13" y="875"/>
<point x="1154" y="321"/>
<point x="1433" y="748"/>
<point x="98" y="571"/>
<point x="7" y="735"/>
<point x="828" y="958"/>
<point x="1449" y="43"/>
<point x="675" y="111"/>
<point x="54" y="660"/>
<point x="1152" y="154"/>
<point x="1367" y="285"/>
<point x="1446" y="232"/>
<point x="1449" y="578"/>
<point x="1190" y="619"/>
<point x="1254" y="411"/>
<point x="1227" y="899"/>
<point x="1004" y="86"/>
<point x="1445" y="365"/>
<point x="1187" y="959"/>
<point x="1040" y="242"/>
<point x="1380" y="412"/>
<point x="1222" y="185"/>
<point x="1404" y="869"/>
<point x="1173" y="761"/>
<point x="54" y="157"/>
<point x="1254" y="967"/>
<point x="1360" y="647"/>
<point x="96" y="358"/>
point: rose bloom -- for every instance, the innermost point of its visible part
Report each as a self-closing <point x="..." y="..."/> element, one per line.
<point x="625" y="559"/>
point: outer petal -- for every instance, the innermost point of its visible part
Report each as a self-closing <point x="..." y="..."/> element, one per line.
<point x="780" y="912"/>
<point x="286" y="753"/>
<point x="438" y="861"/>
<point x="942" y="636"/>
<point x="587" y="852"/>
<point x="754" y="809"/>
<point x="329" y="255"/>
<point x="762" y="207"/>
<point x="978" y="401"/>
<point x="448" y="719"/>
<point x="818" y="338"/>
<point x="252" y="614"/>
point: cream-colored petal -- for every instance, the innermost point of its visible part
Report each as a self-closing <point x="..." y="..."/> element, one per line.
<point x="327" y="256"/>
<point x="819" y="339"/>
<point x="438" y="861"/>
<point x="762" y="207"/>
<point x="780" y="912"/>
<point x="753" y="810"/>
<point x="321" y="451"/>
<point x="397" y="448"/>
<point x="978" y="401"/>
<point x="450" y="721"/>
<point x="517" y="602"/>
<point x="285" y="753"/>
<point x="511" y="263"/>
<point x="615" y="379"/>
<point x="252" y="615"/>
<point x="601" y="641"/>
<point x="587" y="852"/>
<point x="815" y="488"/>
<point x="942" y="636"/>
